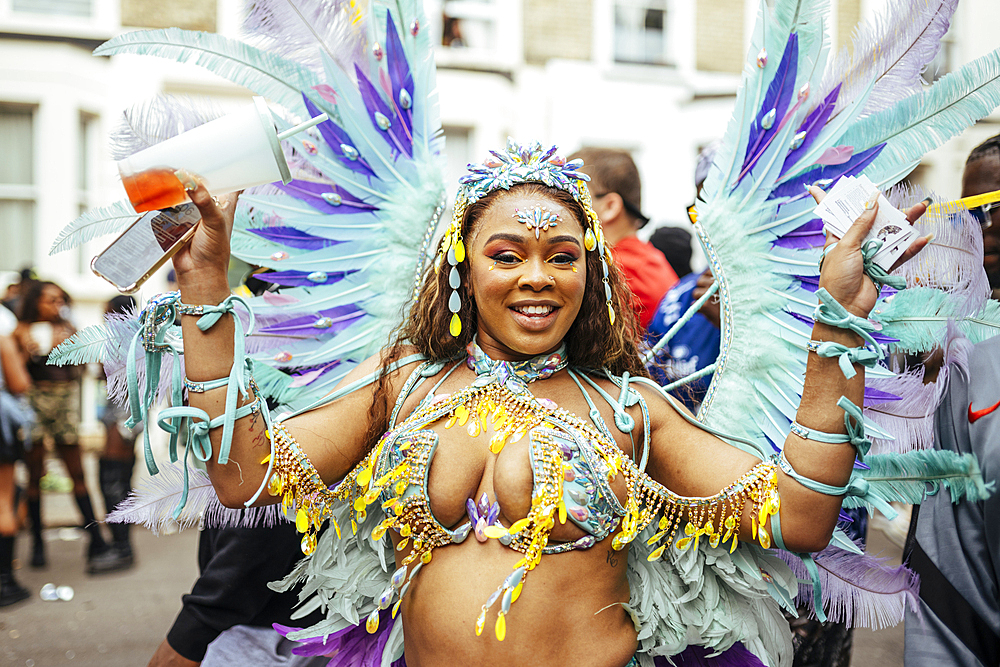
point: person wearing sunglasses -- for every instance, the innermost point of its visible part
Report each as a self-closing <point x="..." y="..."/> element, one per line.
<point x="617" y="195"/>
<point x="981" y="178"/>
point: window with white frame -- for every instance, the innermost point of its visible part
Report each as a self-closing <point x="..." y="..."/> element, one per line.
<point x="88" y="134"/>
<point x="54" y="7"/>
<point x="17" y="188"/>
<point x="641" y="32"/>
<point x="477" y="33"/>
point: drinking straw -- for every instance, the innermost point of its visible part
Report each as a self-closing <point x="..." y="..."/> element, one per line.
<point x="302" y="126"/>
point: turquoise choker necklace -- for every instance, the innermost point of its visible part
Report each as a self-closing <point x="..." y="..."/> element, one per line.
<point x="521" y="372"/>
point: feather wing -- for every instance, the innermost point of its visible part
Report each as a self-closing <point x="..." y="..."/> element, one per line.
<point x="93" y="224"/>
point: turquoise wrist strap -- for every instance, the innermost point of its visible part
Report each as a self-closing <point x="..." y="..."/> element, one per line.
<point x="879" y="275"/>
<point x="846" y="356"/>
<point x="830" y="312"/>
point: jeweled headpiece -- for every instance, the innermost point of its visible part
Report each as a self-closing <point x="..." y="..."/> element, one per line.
<point x="518" y="164"/>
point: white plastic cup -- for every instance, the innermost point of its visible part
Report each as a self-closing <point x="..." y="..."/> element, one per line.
<point x="237" y="151"/>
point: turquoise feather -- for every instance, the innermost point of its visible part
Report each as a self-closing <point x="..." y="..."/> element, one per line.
<point x="93" y="224"/>
<point x="919" y="316"/>
<point x="276" y="78"/>
<point x="908" y="477"/>
<point x="922" y="122"/>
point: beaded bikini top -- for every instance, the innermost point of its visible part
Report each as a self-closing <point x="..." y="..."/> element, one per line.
<point x="573" y="463"/>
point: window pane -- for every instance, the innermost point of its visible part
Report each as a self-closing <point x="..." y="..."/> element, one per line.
<point x="17" y="230"/>
<point x="16" y="146"/>
<point x="640" y="31"/>
<point x="58" y="7"/>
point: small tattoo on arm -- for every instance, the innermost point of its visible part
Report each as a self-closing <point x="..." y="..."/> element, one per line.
<point x="612" y="558"/>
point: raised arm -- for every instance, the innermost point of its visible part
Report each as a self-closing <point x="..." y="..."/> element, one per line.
<point x="691" y="462"/>
<point x="333" y="437"/>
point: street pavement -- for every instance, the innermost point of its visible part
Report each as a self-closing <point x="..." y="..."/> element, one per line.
<point x="113" y="620"/>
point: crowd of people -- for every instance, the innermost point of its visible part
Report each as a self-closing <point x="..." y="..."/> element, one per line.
<point x="40" y="414"/>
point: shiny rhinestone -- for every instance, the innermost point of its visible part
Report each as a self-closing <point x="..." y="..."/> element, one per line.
<point x="382" y="122"/>
<point x="804" y="91"/>
<point x="768" y="120"/>
<point x="332" y="198"/>
<point x="797" y="140"/>
<point x="283" y="357"/>
<point x="414" y="27"/>
<point x="350" y="152"/>
<point x="280" y="255"/>
<point x="323" y="323"/>
<point x="317" y="277"/>
<point x="762" y="58"/>
<point x="405" y="101"/>
<point x="377" y="51"/>
<point x="310" y="147"/>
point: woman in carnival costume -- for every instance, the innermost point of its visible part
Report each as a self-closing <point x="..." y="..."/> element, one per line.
<point x="501" y="482"/>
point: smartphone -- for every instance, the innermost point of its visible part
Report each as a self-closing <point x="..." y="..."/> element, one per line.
<point x="148" y="242"/>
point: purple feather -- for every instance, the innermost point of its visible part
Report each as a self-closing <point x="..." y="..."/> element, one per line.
<point x="335" y="137"/>
<point x="855" y="165"/>
<point x="324" y="322"/>
<point x="293" y="238"/>
<point x="809" y="235"/>
<point x="399" y="74"/>
<point x="808" y="283"/>
<point x="892" y="50"/>
<point x="353" y="646"/>
<point x="776" y="101"/>
<point x="873" y="395"/>
<point x="812" y="126"/>
<point x="300" y="278"/>
<point x="911" y="419"/>
<point x="312" y="193"/>
<point x="395" y="133"/>
<point x="698" y="656"/>
<point x="858" y="590"/>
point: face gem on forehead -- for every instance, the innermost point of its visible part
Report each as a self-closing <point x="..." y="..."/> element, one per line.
<point x="538" y="218"/>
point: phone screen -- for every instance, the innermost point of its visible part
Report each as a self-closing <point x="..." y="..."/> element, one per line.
<point x="145" y="245"/>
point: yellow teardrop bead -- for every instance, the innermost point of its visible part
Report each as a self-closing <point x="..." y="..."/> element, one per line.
<point x="425" y="557"/>
<point x="683" y="543"/>
<point x="501" y="628"/>
<point x="656" y="553"/>
<point x="611" y="314"/>
<point x="765" y="539"/>
<point x="460" y="250"/>
<point x="404" y="530"/>
<point x="462" y="413"/>
<point x="518" y="526"/>
<point x="372" y="623"/>
<point x="589" y="240"/>
<point x="364" y="477"/>
<point x="516" y="593"/>
<point x="456" y="325"/>
<point x="480" y="622"/>
<point x="301" y="521"/>
<point x="495" y="531"/>
<point x="336" y="527"/>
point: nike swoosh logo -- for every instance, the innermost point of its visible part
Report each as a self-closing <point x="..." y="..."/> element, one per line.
<point x="977" y="414"/>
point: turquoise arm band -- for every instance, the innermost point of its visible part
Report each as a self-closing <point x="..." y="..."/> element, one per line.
<point x="858" y="486"/>
<point x="846" y="356"/>
<point x="854" y="422"/>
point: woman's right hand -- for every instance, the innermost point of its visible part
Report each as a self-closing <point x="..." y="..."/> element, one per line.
<point x="207" y="254"/>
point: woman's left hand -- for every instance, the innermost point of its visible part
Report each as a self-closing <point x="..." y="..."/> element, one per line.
<point x="843" y="273"/>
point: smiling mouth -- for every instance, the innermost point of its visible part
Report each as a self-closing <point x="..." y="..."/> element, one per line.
<point x="534" y="311"/>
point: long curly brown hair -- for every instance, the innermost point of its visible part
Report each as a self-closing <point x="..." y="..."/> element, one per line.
<point x="591" y="342"/>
